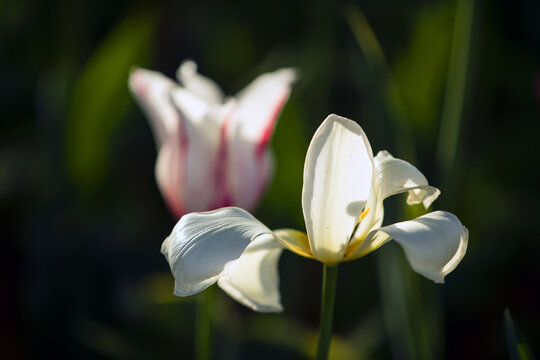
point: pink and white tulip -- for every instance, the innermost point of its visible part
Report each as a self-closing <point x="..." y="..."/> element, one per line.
<point x="212" y="150"/>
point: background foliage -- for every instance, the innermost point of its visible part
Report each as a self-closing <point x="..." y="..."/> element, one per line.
<point x="81" y="276"/>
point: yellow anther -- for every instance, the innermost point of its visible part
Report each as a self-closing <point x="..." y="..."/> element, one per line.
<point x="362" y="216"/>
<point x="355" y="243"/>
<point x="364" y="213"/>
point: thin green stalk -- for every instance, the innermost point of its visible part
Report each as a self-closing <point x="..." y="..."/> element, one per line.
<point x="384" y="83"/>
<point x="203" y="324"/>
<point x="455" y="87"/>
<point x="330" y="274"/>
<point x="518" y="347"/>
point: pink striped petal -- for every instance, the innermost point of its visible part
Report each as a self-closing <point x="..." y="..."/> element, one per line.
<point x="249" y="161"/>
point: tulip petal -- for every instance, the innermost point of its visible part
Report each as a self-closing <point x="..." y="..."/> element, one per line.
<point x="169" y="171"/>
<point x="197" y="162"/>
<point x="260" y="103"/>
<point x="253" y="278"/>
<point x="434" y="243"/>
<point x="199" y="85"/>
<point x="295" y="241"/>
<point x="152" y="91"/>
<point x="204" y="247"/>
<point x="248" y="133"/>
<point x="394" y="176"/>
<point x="337" y="181"/>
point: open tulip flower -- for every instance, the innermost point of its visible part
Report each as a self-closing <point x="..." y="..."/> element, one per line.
<point x="212" y="150"/>
<point x="342" y="199"/>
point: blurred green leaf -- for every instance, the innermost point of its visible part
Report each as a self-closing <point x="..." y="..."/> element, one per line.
<point x="411" y="93"/>
<point x="383" y="81"/>
<point x="366" y="38"/>
<point x="157" y="289"/>
<point x="456" y="84"/>
<point x="105" y="340"/>
<point x="101" y="98"/>
<point x="289" y="145"/>
<point x="518" y="347"/>
<point x="420" y="69"/>
<point x="277" y="330"/>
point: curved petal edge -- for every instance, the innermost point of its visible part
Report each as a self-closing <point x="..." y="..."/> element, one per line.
<point x="202" y="246"/>
<point x="337" y="182"/>
<point x="434" y="244"/>
<point x="396" y="176"/>
<point x="253" y="279"/>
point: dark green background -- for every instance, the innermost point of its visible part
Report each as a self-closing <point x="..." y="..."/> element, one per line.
<point x="81" y="276"/>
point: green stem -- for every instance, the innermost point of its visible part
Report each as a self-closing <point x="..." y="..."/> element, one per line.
<point x="330" y="274"/>
<point x="203" y="324"/>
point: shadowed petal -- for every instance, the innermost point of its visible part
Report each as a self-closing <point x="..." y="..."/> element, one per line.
<point x="337" y="181"/>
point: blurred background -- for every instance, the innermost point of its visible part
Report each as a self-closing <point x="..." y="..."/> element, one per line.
<point x="450" y="86"/>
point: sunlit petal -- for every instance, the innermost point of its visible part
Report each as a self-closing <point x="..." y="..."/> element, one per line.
<point x="253" y="278"/>
<point x="152" y="91"/>
<point x="199" y="85"/>
<point x="337" y="181"/>
<point x="248" y="133"/>
<point x="434" y="243"/>
<point x="202" y="245"/>
<point x="394" y="176"/>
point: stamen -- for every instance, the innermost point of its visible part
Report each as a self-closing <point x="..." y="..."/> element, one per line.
<point x="362" y="216"/>
<point x="351" y="248"/>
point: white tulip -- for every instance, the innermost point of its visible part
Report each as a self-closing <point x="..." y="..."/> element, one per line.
<point x="342" y="200"/>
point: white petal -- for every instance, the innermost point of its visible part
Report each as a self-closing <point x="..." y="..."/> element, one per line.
<point x="169" y="172"/>
<point x="260" y="103"/>
<point x="253" y="278"/>
<point x="199" y="85"/>
<point x="337" y="181"/>
<point x="249" y="131"/>
<point x="199" y="156"/>
<point x="152" y="91"/>
<point x="434" y="243"/>
<point x="248" y="173"/>
<point x="205" y="246"/>
<point x="394" y="176"/>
